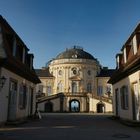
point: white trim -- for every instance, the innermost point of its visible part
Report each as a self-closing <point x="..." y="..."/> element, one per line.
<point x="134" y="45"/>
<point x="124" y="55"/>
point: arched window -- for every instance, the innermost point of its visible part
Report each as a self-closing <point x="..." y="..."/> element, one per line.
<point x="89" y="87"/>
<point x="74" y="87"/>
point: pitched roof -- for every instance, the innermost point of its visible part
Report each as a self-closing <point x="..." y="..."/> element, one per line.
<point x="125" y="71"/>
<point x="12" y="63"/>
<point x="106" y="73"/>
<point x="44" y="72"/>
<point x="131" y="65"/>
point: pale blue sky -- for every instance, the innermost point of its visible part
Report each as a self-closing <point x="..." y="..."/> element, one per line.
<point x="48" y="27"/>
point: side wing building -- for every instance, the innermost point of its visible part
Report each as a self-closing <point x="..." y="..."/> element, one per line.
<point x="17" y="76"/>
<point x="126" y="79"/>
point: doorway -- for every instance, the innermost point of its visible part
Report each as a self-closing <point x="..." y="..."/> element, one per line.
<point x="135" y="102"/>
<point x="74" y="105"/>
<point x="30" y="109"/>
<point x="117" y="101"/>
<point x="12" y="105"/>
<point x="100" y="108"/>
<point x="49" y="107"/>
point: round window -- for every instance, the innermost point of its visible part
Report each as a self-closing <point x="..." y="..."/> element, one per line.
<point x="60" y="72"/>
<point x="74" y="71"/>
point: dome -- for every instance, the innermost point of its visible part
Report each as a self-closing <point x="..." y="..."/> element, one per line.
<point x="75" y="53"/>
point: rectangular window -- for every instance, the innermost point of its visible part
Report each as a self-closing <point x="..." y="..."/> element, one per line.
<point x="89" y="88"/>
<point x="22" y="96"/>
<point x="124" y="97"/>
<point x="118" y="61"/>
<point x="23" y="55"/>
<point x="14" y="47"/>
<point x="100" y="91"/>
<point x="124" y="53"/>
<point x="134" y="44"/>
<point x="40" y="88"/>
<point x="49" y="90"/>
<point x="108" y="88"/>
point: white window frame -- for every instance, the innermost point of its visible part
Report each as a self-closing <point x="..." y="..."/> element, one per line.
<point x="134" y="45"/>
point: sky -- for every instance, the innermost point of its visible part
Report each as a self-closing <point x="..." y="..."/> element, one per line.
<point x="48" y="27"/>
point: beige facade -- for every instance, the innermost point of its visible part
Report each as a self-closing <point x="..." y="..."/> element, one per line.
<point x="64" y="73"/>
<point x="9" y="103"/>
<point x="78" y="79"/>
<point x="133" y="90"/>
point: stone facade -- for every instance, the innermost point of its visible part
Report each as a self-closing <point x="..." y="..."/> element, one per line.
<point x="77" y="78"/>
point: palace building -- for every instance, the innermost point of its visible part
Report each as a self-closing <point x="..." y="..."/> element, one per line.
<point x="74" y="82"/>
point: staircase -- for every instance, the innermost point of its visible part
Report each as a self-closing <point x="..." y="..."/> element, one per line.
<point x="103" y="98"/>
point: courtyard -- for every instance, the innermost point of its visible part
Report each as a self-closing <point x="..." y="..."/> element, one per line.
<point x="70" y="126"/>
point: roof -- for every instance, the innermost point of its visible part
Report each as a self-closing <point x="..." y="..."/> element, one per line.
<point x="5" y="23"/>
<point x="131" y="66"/>
<point x="75" y="53"/>
<point x="125" y="71"/>
<point x="106" y="73"/>
<point x="13" y="63"/>
<point x="43" y="72"/>
<point x="136" y="31"/>
<point x="19" y="69"/>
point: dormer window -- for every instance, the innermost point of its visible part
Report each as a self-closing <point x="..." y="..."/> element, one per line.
<point x="135" y="45"/>
<point x="31" y="61"/>
<point x="118" y="61"/>
<point x="14" y="47"/>
<point x="124" y="55"/>
<point x="23" y="56"/>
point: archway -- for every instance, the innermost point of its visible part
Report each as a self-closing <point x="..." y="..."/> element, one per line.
<point x="74" y="106"/>
<point x="100" y="107"/>
<point x="49" y="107"/>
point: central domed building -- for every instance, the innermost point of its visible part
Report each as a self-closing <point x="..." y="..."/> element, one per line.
<point x="74" y="81"/>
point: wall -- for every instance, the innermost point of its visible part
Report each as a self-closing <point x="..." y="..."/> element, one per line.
<point x="127" y="114"/>
<point x="56" y="105"/>
<point x="4" y="95"/>
<point x="94" y="102"/>
<point x="102" y="81"/>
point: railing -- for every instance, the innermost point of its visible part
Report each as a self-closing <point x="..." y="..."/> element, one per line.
<point x="75" y="93"/>
<point x="103" y="98"/>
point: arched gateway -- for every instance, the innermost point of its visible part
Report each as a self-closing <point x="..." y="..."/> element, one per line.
<point x="74" y="105"/>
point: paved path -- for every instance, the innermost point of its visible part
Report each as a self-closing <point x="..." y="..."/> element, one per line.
<point x="71" y="127"/>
